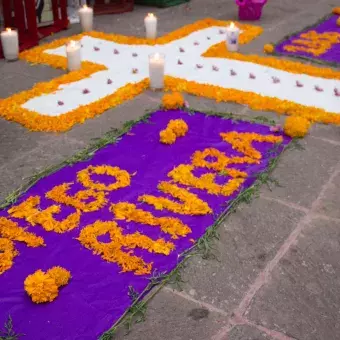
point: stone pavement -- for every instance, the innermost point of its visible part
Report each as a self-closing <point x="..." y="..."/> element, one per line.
<point x="277" y="273"/>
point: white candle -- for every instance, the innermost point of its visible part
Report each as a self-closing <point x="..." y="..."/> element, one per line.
<point x="86" y="18"/>
<point x="233" y="33"/>
<point x="73" y="55"/>
<point x="156" y="71"/>
<point x="150" y="23"/>
<point x="10" y="44"/>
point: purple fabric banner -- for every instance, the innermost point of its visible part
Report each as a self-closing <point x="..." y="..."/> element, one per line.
<point x="331" y="54"/>
<point x="97" y="294"/>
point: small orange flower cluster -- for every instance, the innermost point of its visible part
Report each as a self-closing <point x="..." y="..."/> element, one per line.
<point x="175" y="128"/>
<point x="296" y="126"/>
<point x="112" y="251"/>
<point x="336" y="10"/>
<point x="172" y="101"/>
<point x="268" y="48"/>
<point x="44" y="287"/>
<point x="170" y="225"/>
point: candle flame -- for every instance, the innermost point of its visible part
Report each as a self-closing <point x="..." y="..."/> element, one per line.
<point x="8" y="29"/>
<point x="150" y="15"/>
<point x="232" y="25"/>
<point x="72" y="43"/>
<point x="156" y="56"/>
<point x="84" y="6"/>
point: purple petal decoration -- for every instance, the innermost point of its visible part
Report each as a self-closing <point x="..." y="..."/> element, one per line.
<point x="215" y="68"/>
<point x="115" y="51"/>
<point x="336" y="92"/>
<point x="233" y="73"/>
<point x="109" y="81"/>
<point x="196" y="43"/>
<point x="199" y="66"/>
<point x="179" y="62"/>
<point x="96" y="48"/>
<point x="181" y="49"/>
<point x="98" y="293"/>
<point x="298" y="84"/>
<point x="252" y="76"/>
<point x="60" y="103"/>
<point x="134" y="54"/>
<point x="276" y="80"/>
<point x="318" y="88"/>
<point x="86" y="91"/>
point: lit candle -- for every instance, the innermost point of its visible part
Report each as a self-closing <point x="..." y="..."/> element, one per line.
<point x="233" y="33"/>
<point x="156" y="71"/>
<point x="150" y="23"/>
<point x="86" y="18"/>
<point x="73" y="55"/>
<point x="10" y="44"/>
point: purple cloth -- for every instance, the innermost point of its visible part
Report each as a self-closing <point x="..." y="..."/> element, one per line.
<point x="97" y="294"/>
<point x="332" y="55"/>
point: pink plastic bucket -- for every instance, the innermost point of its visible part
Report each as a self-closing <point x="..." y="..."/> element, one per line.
<point x="251" y="10"/>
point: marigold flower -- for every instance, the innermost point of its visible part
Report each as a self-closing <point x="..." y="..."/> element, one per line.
<point x="41" y="287"/>
<point x="172" y="101"/>
<point x="178" y="126"/>
<point x="167" y="136"/>
<point x="60" y="275"/>
<point x="296" y="126"/>
<point x="338" y="21"/>
<point x="336" y="10"/>
<point x="44" y="287"/>
<point x="268" y="48"/>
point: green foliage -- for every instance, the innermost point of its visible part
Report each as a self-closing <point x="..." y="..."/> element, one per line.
<point x="8" y="333"/>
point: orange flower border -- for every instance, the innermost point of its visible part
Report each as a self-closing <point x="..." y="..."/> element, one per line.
<point x="253" y="100"/>
<point x="11" y="108"/>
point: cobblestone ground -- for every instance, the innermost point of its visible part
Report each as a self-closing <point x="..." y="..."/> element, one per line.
<point x="278" y="271"/>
